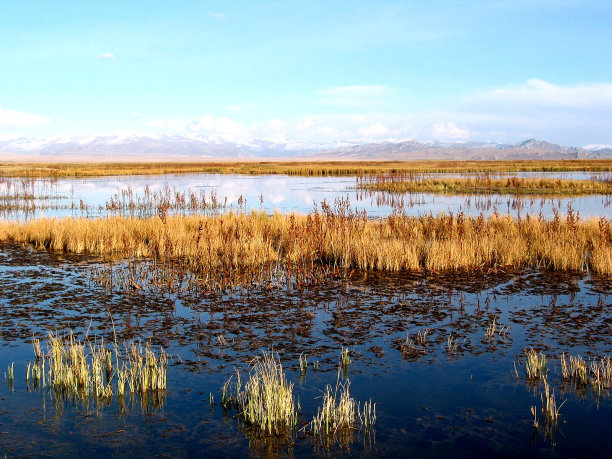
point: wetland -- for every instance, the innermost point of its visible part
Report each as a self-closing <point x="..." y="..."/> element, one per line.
<point x="433" y="324"/>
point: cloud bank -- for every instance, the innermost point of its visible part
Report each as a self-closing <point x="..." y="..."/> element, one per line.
<point x="15" y="118"/>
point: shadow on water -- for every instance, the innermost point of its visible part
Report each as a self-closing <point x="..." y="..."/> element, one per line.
<point x="436" y="353"/>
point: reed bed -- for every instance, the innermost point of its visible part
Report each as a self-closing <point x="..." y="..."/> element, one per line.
<point x="484" y="183"/>
<point x="81" y="369"/>
<point x="304" y="168"/>
<point x="238" y="248"/>
<point x="598" y="373"/>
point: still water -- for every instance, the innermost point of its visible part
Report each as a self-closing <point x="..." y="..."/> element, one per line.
<point x="432" y="399"/>
<point x="90" y="196"/>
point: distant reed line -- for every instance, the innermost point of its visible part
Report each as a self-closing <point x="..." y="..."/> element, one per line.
<point x="233" y="245"/>
<point x="485" y="183"/>
<point x="303" y="168"/>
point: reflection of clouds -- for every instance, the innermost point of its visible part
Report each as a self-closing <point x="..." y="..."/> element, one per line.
<point x="289" y="193"/>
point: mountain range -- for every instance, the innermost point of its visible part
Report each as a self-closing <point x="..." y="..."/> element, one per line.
<point x="152" y="146"/>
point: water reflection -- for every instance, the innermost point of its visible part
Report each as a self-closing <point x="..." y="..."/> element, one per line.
<point x="91" y="196"/>
<point x="439" y="395"/>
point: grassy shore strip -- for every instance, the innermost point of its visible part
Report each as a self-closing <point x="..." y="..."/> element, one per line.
<point x="234" y="245"/>
<point x="402" y="183"/>
<point x="303" y="168"/>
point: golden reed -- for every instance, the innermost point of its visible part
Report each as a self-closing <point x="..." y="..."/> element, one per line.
<point x="305" y="168"/>
<point x="238" y="242"/>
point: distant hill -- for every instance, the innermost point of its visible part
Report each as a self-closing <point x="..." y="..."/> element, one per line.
<point x="412" y="150"/>
<point x="142" y="146"/>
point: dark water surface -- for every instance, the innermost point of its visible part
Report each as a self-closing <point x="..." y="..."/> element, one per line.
<point x="431" y="400"/>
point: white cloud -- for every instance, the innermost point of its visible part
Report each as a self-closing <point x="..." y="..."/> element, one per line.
<point x="15" y="118"/>
<point x="108" y="55"/>
<point x="376" y="130"/>
<point x="364" y="96"/>
<point x="136" y="114"/>
<point x="217" y="15"/>
<point x="449" y="131"/>
<point x="213" y="129"/>
<point x="565" y="114"/>
<point x="540" y="93"/>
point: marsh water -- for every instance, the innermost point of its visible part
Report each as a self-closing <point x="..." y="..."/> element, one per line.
<point x="91" y="196"/>
<point x="418" y="346"/>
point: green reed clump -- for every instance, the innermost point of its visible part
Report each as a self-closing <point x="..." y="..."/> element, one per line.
<point x="601" y="372"/>
<point x="83" y="369"/>
<point x="336" y="418"/>
<point x="574" y="368"/>
<point x="598" y="373"/>
<point x="266" y="401"/>
<point x="345" y="359"/>
<point x="535" y="364"/>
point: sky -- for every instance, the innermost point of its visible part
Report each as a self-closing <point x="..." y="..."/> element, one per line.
<point x="310" y="71"/>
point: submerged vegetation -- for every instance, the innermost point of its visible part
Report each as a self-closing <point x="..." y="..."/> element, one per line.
<point x="304" y="168"/>
<point x="483" y="183"/>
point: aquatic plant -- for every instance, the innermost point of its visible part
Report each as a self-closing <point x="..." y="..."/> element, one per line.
<point x="482" y="183"/>
<point x="535" y="364"/>
<point x="574" y="368"/>
<point x="601" y="372"/>
<point x="336" y="418"/>
<point x="267" y="401"/>
<point x="345" y="359"/>
<point x="303" y="362"/>
<point x="82" y="369"/>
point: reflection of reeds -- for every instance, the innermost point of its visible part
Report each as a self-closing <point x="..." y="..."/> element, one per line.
<point x="483" y="183"/>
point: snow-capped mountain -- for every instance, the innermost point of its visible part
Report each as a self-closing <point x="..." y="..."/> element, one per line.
<point x="128" y="145"/>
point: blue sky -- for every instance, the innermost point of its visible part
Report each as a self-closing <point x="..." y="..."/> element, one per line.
<point x="310" y="71"/>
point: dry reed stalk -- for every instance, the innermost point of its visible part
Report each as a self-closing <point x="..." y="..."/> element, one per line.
<point x="535" y="365"/>
<point x="310" y="168"/>
<point x="232" y="248"/>
<point x="484" y="183"/>
<point x="267" y="401"/>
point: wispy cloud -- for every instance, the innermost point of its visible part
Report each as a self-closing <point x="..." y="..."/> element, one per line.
<point x="540" y="93"/>
<point x="16" y="118"/>
<point x="107" y="55"/>
<point x="217" y="15"/>
<point x="535" y="108"/>
<point x="362" y="96"/>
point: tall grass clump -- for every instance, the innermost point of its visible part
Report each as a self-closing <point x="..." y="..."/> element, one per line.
<point x="535" y="365"/>
<point x="336" y="419"/>
<point x="81" y="369"/>
<point x="266" y="401"/>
